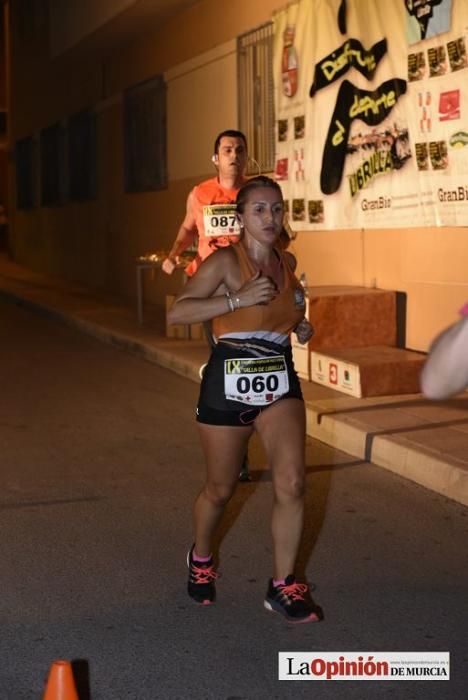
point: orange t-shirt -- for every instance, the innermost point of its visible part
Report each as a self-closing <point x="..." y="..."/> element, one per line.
<point x="207" y="200"/>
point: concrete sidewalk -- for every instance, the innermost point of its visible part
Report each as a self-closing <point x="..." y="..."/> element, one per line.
<point x="423" y="441"/>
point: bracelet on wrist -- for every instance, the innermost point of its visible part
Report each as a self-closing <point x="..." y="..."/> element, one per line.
<point x="230" y="303"/>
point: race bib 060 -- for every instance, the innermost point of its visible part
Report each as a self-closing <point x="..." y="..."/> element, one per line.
<point x="220" y="220"/>
<point x="256" y="381"/>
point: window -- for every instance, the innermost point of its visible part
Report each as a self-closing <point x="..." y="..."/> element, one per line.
<point x="26" y="165"/>
<point x="82" y="156"/>
<point x="145" y="136"/>
<point x="52" y="152"/>
<point x="31" y="18"/>
<point x="3" y="122"/>
<point x="256" y="96"/>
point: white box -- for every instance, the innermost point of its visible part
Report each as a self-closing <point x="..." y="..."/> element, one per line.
<point x="336" y="374"/>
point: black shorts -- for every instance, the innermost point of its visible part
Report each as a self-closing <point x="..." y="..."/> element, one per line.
<point x="213" y="406"/>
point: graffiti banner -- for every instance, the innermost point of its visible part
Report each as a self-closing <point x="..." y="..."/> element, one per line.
<point x="372" y="113"/>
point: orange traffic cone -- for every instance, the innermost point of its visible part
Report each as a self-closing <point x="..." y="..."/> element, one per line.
<point x="60" y="684"/>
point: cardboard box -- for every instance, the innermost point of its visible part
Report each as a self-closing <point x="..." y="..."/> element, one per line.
<point x="193" y="331"/>
<point x="197" y="332"/>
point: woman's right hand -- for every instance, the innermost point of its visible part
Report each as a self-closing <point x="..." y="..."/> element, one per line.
<point x="259" y="289"/>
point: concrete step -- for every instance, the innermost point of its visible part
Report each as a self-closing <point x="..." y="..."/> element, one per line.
<point x="352" y="317"/>
<point x="406" y="435"/>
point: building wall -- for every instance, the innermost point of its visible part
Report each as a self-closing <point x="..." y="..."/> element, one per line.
<point x="429" y="265"/>
<point x="74" y="20"/>
<point x="97" y="242"/>
<point x="3" y="106"/>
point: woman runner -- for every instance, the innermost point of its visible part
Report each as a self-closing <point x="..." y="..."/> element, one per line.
<point x="250" y="291"/>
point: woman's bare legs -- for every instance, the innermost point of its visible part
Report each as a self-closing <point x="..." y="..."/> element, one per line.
<point x="282" y="430"/>
<point x="224" y="448"/>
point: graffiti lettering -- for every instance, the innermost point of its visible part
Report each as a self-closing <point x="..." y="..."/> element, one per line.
<point x="378" y="164"/>
<point x="350" y="54"/>
<point x="338" y="136"/>
<point x="367" y="104"/>
<point x="352" y="103"/>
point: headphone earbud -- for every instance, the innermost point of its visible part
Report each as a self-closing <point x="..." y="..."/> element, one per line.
<point x="214" y="158"/>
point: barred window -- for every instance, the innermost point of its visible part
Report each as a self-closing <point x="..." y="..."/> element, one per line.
<point x="26" y="173"/>
<point x="82" y="156"/>
<point x="256" y="96"/>
<point x="31" y="18"/>
<point x="52" y="151"/>
<point x="3" y="122"/>
<point x="145" y="136"/>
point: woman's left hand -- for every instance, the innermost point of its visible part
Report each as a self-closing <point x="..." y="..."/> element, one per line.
<point x="304" y="331"/>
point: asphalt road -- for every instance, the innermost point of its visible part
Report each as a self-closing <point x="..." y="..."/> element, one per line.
<point x="99" y="464"/>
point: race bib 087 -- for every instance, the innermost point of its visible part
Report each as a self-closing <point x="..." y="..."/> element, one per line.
<point x="220" y="220"/>
<point x="255" y="381"/>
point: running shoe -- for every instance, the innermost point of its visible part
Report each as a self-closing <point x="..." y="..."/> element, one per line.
<point x="293" y="601"/>
<point x="201" y="581"/>
<point x="244" y="474"/>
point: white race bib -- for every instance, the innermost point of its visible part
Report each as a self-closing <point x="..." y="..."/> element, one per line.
<point x="220" y="220"/>
<point x="256" y="381"/>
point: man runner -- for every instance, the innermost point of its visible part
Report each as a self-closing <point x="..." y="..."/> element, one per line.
<point x="210" y="212"/>
<point x="211" y="215"/>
